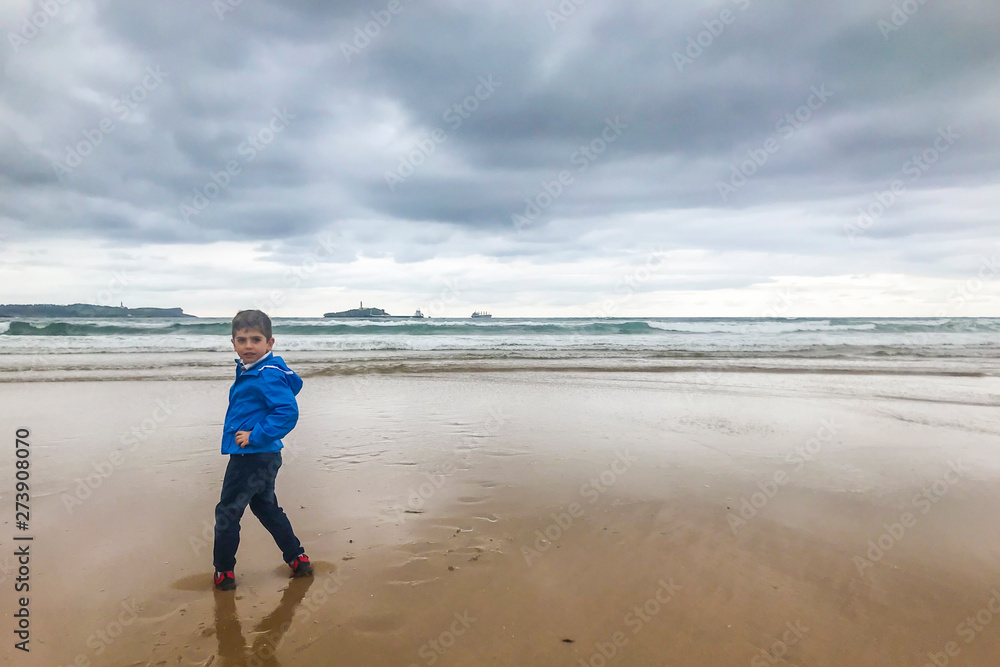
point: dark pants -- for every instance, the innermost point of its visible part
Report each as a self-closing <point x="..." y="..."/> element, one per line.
<point x="250" y="481"/>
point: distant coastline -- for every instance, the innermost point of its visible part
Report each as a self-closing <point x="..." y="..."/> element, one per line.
<point x="85" y="310"/>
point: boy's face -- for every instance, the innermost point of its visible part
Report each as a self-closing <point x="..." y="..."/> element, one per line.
<point x="251" y="345"/>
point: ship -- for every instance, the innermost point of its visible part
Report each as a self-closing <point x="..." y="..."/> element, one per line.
<point x="373" y="313"/>
<point x="481" y="313"/>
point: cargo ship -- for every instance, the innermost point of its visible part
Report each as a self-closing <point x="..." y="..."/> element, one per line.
<point x="481" y="313"/>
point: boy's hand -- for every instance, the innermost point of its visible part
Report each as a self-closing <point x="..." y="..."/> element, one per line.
<point x="243" y="438"/>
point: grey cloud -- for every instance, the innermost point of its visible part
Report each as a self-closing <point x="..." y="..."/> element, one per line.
<point x="355" y="120"/>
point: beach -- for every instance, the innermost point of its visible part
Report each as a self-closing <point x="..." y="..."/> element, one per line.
<point x="591" y="334"/>
<point x="547" y="517"/>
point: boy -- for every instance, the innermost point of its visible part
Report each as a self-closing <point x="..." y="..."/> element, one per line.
<point x="262" y="410"/>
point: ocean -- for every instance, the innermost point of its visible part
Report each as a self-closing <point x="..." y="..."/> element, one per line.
<point x="62" y="349"/>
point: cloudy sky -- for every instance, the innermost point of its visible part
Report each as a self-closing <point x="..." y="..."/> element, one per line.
<point x="534" y="158"/>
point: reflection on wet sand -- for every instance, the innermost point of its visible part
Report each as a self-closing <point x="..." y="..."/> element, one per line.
<point x="268" y="634"/>
<point x="738" y="496"/>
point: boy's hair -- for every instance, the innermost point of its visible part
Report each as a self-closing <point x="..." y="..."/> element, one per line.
<point x="252" y="319"/>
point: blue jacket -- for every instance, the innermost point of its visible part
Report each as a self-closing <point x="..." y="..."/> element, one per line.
<point x="262" y="401"/>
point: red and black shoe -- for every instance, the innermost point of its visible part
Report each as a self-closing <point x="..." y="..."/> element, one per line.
<point x="225" y="581"/>
<point x="301" y="566"/>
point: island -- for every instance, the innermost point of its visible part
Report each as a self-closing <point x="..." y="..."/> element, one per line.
<point x="373" y="313"/>
<point x="84" y="310"/>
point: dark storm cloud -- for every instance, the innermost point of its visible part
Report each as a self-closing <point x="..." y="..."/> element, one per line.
<point x="359" y="105"/>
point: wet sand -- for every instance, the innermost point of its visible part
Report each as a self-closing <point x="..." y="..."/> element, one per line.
<point x="524" y="519"/>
